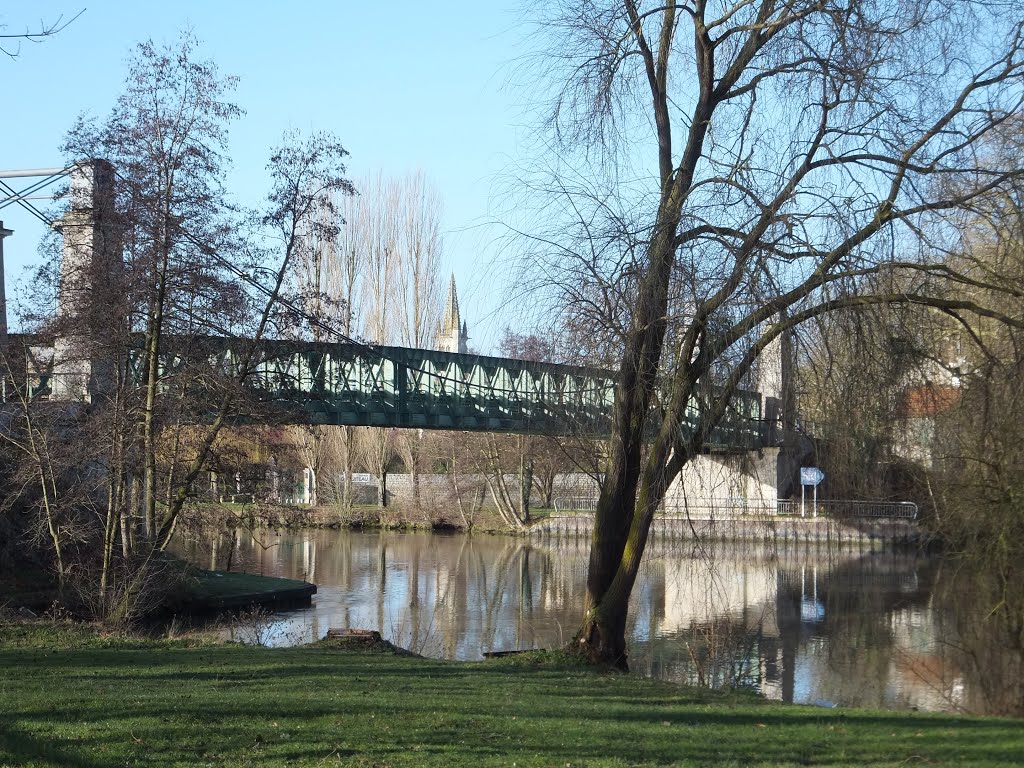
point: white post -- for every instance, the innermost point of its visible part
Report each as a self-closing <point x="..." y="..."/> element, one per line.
<point x="308" y="486"/>
<point x="815" y="500"/>
<point x="803" y="500"/>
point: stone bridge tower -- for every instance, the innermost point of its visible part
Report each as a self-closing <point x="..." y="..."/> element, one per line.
<point x="3" y="291"/>
<point x="90" y="316"/>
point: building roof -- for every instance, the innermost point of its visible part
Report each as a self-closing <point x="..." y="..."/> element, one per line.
<point x="929" y="399"/>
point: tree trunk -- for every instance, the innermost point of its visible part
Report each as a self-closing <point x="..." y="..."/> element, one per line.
<point x="610" y="574"/>
<point x="347" y="458"/>
<point x="154" y="332"/>
<point x="109" y="535"/>
<point x="525" y="484"/>
<point x="382" y="489"/>
<point x="417" y="501"/>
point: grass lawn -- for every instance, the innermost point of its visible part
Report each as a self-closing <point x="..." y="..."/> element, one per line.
<point x="71" y="698"/>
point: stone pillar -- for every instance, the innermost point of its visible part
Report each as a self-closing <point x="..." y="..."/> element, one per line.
<point x="3" y="291"/>
<point x="775" y="382"/>
<point x="89" y="314"/>
<point x="771" y="383"/>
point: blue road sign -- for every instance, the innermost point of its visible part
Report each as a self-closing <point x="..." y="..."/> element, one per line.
<point x="811" y="476"/>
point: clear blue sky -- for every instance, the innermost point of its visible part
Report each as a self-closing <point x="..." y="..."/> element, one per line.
<point x="404" y="85"/>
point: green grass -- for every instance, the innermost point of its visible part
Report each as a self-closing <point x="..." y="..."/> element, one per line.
<point x="69" y="697"/>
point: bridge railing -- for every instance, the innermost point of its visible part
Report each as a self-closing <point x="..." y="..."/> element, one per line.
<point x="394" y="386"/>
<point x="704" y="509"/>
<point x="346" y="383"/>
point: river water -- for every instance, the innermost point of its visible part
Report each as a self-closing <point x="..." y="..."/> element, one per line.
<point x="833" y="628"/>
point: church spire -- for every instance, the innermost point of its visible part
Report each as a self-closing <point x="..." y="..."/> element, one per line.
<point x="452" y="319"/>
<point x="452" y="332"/>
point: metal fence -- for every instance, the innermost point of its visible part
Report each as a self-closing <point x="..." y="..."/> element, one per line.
<point x="570" y="505"/>
<point x="844" y="509"/>
<point x="702" y="509"/>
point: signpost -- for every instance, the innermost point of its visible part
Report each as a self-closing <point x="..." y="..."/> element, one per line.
<point x="811" y="476"/>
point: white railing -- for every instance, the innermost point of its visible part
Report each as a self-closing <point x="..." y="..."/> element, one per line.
<point x="709" y="509"/>
<point x="571" y="505"/>
<point x="731" y="507"/>
<point x="850" y="509"/>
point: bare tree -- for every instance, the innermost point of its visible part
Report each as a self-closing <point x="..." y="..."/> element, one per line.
<point x="418" y="289"/>
<point x="376" y="446"/>
<point x="323" y="292"/>
<point x="394" y="247"/>
<point x="542" y="458"/>
<point x="420" y="252"/>
<point x="166" y="137"/>
<point x="379" y="233"/>
<point x="729" y="170"/>
<point x="344" y="273"/>
<point x="193" y="268"/>
<point x="316" y="446"/>
<point x="41" y="32"/>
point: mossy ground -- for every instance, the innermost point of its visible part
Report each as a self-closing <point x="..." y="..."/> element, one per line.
<point x="70" y="696"/>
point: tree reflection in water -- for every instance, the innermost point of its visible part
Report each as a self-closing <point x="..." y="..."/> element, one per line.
<point x="808" y="625"/>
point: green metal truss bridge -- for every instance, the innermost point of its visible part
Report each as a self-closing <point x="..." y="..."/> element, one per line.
<point x="353" y="384"/>
<point x="349" y="383"/>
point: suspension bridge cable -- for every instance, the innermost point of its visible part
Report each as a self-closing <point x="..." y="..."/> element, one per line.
<point x="16" y="197"/>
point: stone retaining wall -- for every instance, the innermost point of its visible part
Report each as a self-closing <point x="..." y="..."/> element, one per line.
<point x="769" y="529"/>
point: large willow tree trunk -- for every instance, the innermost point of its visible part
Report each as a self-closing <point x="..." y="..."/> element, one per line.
<point x="618" y="542"/>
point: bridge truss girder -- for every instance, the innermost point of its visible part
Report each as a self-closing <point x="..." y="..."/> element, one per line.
<point x="351" y="384"/>
<point x="348" y="384"/>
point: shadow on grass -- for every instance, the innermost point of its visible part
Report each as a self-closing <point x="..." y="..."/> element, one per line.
<point x="311" y="704"/>
<point x="17" y="748"/>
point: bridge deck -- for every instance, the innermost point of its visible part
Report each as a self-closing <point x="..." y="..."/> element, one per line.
<point x="400" y="387"/>
<point x="374" y="385"/>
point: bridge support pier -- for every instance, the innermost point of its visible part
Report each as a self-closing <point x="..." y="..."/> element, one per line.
<point x="744" y="477"/>
<point x="89" y="322"/>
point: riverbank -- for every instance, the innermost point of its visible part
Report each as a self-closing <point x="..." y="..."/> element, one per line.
<point x="359" y="517"/>
<point x="547" y="523"/>
<point x="71" y="696"/>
